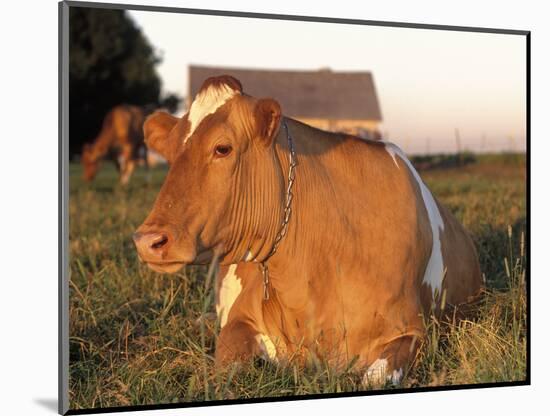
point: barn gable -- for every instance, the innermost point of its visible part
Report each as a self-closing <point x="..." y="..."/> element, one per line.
<point x="322" y="94"/>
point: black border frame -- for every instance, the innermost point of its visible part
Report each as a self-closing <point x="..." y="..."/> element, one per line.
<point x="63" y="198"/>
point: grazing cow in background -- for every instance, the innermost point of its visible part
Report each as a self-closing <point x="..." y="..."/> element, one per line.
<point x="329" y="244"/>
<point x="121" y="136"/>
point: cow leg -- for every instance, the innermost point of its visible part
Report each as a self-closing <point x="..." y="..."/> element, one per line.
<point x="117" y="160"/>
<point x="148" y="175"/>
<point x="127" y="164"/>
<point x="129" y="167"/>
<point x="237" y="342"/>
<point x="392" y="363"/>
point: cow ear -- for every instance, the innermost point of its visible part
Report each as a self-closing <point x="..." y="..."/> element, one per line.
<point x="268" y="119"/>
<point x="156" y="130"/>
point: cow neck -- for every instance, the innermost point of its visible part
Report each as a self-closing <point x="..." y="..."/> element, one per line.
<point x="318" y="224"/>
<point x="287" y="210"/>
<point x="101" y="145"/>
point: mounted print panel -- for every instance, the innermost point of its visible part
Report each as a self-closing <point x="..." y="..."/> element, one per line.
<point x="265" y="208"/>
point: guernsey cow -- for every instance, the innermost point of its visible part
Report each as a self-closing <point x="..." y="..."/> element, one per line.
<point x="121" y="136"/>
<point x="329" y="244"/>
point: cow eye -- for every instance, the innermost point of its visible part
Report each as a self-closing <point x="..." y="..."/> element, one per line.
<point x="222" y="150"/>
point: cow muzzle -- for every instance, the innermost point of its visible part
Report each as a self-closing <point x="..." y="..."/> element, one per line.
<point x="151" y="245"/>
<point x="153" y="248"/>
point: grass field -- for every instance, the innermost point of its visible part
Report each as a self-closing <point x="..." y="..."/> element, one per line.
<point x="138" y="337"/>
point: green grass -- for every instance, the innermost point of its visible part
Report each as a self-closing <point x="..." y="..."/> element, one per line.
<point x="138" y="337"/>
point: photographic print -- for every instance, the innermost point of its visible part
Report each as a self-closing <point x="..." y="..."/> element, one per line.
<point x="263" y="208"/>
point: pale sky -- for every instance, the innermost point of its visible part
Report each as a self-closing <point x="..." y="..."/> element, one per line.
<point x="428" y="82"/>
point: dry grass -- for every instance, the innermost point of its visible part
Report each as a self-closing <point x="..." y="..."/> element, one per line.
<point x="138" y="337"/>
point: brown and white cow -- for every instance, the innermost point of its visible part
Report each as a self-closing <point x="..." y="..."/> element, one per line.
<point x="121" y="135"/>
<point x="367" y="252"/>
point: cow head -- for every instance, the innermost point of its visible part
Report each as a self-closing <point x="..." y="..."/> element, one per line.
<point x="89" y="162"/>
<point x="223" y="194"/>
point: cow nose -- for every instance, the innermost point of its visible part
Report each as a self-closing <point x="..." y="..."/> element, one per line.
<point x="150" y="244"/>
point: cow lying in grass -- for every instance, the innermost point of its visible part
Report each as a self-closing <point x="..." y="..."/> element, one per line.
<point x="329" y="244"/>
<point x="121" y="136"/>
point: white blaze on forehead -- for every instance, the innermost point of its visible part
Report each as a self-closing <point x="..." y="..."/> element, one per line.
<point x="267" y="346"/>
<point x="433" y="276"/>
<point x="207" y="102"/>
<point x="230" y="289"/>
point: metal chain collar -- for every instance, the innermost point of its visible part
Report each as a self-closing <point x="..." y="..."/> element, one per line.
<point x="287" y="212"/>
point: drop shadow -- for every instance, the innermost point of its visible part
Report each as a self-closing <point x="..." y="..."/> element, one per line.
<point x="49" y="404"/>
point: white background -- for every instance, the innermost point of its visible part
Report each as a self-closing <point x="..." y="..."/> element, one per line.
<point x="28" y="204"/>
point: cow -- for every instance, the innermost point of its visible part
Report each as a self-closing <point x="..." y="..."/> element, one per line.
<point x="329" y="245"/>
<point x="121" y="136"/>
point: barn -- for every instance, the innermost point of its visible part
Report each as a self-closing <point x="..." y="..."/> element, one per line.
<point x="330" y="100"/>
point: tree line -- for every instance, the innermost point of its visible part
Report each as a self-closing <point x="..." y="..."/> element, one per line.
<point x="111" y="62"/>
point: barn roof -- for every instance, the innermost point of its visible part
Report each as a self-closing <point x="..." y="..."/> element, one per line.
<point x="308" y="94"/>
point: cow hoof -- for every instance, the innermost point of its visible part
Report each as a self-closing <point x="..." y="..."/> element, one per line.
<point x="377" y="375"/>
<point x="267" y="348"/>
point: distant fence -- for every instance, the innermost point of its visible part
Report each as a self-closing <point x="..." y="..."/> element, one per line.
<point x="458" y="144"/>
<point x="446" y="161"/>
